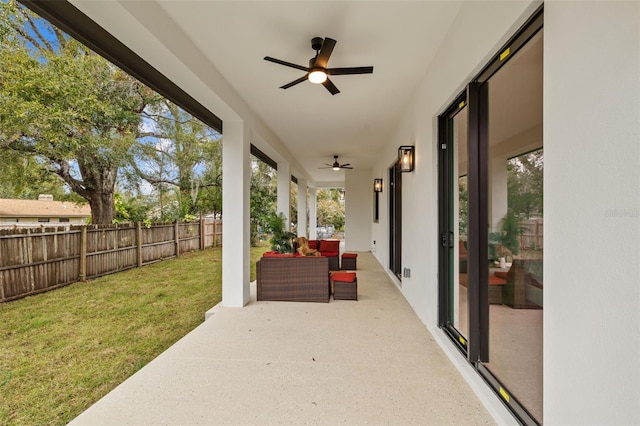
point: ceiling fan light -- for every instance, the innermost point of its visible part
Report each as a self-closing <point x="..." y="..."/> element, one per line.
<point x="317" y="76"/>
<point x="335" y="167"/>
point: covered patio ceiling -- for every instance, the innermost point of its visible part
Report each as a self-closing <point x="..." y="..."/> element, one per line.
<point x="214" y="50"/>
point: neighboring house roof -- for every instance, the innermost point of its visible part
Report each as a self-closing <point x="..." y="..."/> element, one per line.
<point x="42" y="208"/>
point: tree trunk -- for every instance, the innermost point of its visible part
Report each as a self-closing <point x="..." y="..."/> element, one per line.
<point x="102" y="207"/>
<point x="97" y="187"/>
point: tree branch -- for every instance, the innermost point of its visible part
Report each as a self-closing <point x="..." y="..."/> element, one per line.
<point x="64" y="171"/>
<point x="149" y="178"/>
<point x="41" y="43"/>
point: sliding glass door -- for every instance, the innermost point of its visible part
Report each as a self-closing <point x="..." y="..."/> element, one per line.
<point x="491" y="219"/>
<point x="454" y="222"/>
<point x="395" y="220"/>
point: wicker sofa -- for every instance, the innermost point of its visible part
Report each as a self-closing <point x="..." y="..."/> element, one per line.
<point x="293" y="278"/>
<point x="524" y="288"/>
<point x="329" y="249"/>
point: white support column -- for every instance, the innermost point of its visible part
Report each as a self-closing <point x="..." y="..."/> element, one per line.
<point x="313" y="213"/>
<point x="302" y="208"/>
<point x="236" y="176"/>
<point x="284" y="192"/>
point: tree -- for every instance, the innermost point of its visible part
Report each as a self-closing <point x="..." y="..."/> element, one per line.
<point x="263" y="197"/>
<point x="525" y="183"/>
<point x="25" y="177"/>
<point x="330" y="208"/>
<point x="69" y="109"/>
<point x="179" y="151"/>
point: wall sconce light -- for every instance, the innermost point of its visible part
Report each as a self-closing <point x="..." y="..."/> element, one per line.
<point x="377" y="185"/>
<point x="406" y="158"/>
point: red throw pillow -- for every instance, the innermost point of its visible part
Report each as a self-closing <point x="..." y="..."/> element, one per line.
<point x="329" y="246"/>
<point x="313" y="244"/>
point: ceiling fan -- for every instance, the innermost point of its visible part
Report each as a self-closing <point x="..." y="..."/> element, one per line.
<point x="317" y="72"/>
<point x="336" y="165"/>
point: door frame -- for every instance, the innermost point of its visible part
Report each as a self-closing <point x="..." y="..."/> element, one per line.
<point x="476" y="349"/>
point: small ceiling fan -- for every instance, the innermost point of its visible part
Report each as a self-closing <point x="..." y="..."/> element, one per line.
<point x="317" y="72"/>
<point x="336" y="165"/>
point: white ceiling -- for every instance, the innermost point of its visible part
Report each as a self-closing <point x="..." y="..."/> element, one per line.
<point x="398" y="38"/>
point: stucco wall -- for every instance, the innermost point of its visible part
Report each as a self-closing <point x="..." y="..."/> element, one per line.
<point x="478" y="32"/>
<point x="592" y="195"/>
<point x="358" y="210"/>
<point x="592" y="213"/>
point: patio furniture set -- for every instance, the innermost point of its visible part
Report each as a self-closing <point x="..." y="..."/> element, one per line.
<point x="519" y="286"/>
<point x="296" y="278"/>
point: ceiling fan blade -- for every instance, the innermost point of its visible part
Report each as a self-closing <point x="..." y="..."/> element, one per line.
<point x="331" y="87"/>
<point x="294" y="82"/>
<point x="286" y="64"/>
<point x="325" y="52"/>
<point x="346" y="167"/>
<point x="349" y="70"/>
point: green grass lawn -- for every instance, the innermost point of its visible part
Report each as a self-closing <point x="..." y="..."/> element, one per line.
<point x="63" y="350"/>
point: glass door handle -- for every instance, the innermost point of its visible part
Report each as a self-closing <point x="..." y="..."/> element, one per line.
<point x="446" y="239"/>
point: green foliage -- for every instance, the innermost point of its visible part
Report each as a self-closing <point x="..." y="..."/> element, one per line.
<point x="280" y="236"/>
<point x="75" y="114"/>
<point x="293" y="205"/>
<point x="130" y="209"/>
<point x="511" y="228"/>
<point x="463" y="207"/>
<point x="178" y="152"/>
<point x="25" y="177"/>
<point x="263" y="198"/>
<point x="330" y="208"/>
<point x="525" y="182"/>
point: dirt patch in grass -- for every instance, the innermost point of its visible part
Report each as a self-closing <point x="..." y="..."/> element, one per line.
<point x="61" y="351"/>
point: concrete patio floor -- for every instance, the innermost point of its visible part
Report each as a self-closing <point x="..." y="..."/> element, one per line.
<point x="370" y="361"/>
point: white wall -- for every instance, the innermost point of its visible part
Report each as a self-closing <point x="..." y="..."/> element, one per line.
<point x="478" y="32"/>
<point x="592" y="195"/>
<point x="592" y="213"/>
<point x="358" y="210"/>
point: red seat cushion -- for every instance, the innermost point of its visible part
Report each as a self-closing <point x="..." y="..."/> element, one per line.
<point x="313" y="244"/>
<point x="276" y="254"/>
<point x="493" y="280"/>
<point x="332" y="246"/>
<point x="501" y="274"/>
<point x="329" y="253"/>
<point x="349" y="255"/>
<point x="344" y="277"/>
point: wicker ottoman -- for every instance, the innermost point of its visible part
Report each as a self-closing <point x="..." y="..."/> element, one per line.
<point x="345" y="286"/>
<point x="349" y="261"/>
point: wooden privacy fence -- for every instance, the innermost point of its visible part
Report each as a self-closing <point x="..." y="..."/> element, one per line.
<point x="532" y="237"/>
<point x="34" y="260"/>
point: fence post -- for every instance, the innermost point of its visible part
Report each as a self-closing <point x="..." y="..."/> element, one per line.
<point x="139" y="242"/>
<point x="177" y="232"/>
<point x="215" y="233"/>
<point x="83" y="253"/>
<point x="202" y="241"/>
